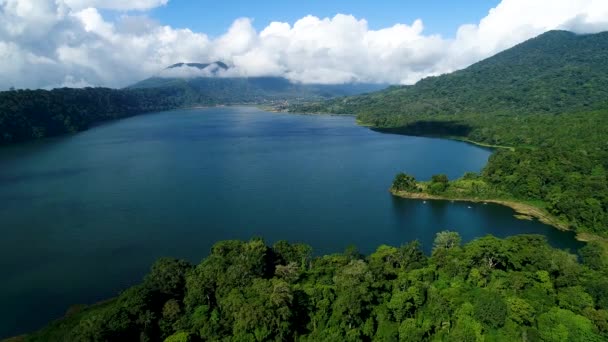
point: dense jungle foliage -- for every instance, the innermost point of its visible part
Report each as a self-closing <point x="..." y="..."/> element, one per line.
<point x="547" y="98"/>
<point x="556" y="72"/>
<point x="34" y="114"/>
<point x="516" y="289"/>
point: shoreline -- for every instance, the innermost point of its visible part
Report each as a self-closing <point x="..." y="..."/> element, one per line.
<point x="473" y="142"/>
<point x="522" y="210"/>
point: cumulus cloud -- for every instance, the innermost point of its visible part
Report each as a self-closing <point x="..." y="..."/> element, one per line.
<point x="122" y="5"/>
<point x="46" y="43"/>
<point x="186" y="71"/>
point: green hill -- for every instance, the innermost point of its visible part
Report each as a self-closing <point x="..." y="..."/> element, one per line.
<point x="556" y="72"/>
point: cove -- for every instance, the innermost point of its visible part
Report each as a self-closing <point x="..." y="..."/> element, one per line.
<point x="83" y="217"/>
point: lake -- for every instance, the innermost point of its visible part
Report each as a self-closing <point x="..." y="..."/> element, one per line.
<point x="83" y="217"/>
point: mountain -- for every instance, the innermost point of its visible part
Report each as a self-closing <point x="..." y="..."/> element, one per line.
<point x="201" y="66"/>
<point x="212" y="83"/>
<point x="556" y="72"/>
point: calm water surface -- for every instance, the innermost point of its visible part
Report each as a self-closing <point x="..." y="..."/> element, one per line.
<point x="84" y="216"/>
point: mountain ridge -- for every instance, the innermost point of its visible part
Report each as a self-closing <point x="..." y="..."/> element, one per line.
<point x="222" y="65"/>
<point x="556" y="72"/>
<point x="221" y="88"/>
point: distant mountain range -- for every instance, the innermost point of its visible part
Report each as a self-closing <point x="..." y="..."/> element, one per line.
<point x="212" y="83"/>
<point x="201" y="66"/>
<point x="34" y="114"/>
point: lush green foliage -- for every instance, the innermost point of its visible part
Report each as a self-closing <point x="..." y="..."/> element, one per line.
<point x="492" y="289"/>
<point x="547" y="98"/>
<point x="404" y="182"/>
<point x="33" y="114"/>
<point x="557" y="72"/>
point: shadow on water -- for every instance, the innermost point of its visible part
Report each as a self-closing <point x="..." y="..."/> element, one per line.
<point x="430" y="128"/>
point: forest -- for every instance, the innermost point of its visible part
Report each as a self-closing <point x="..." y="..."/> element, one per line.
<point x="35" y="114"/>
<point x="558" y="164"/>
<point x="516" y="289"/>
<point x="556" y="72"/>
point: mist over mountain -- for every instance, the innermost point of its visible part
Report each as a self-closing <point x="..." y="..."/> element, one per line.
<point x="221" y="84"/>
<point x="556" y="72"/>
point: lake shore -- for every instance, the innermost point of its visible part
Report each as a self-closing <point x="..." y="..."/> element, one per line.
<point x="523" y="211"/>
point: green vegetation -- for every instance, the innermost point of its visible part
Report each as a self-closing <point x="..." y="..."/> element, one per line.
<point x="405" y="182"/>
<point x="516" y="289"/>
<point x="557" y="72"/>
<point x="546" y="99"/>
<point x="34" y="114"/>
<point x="472" y="188"/>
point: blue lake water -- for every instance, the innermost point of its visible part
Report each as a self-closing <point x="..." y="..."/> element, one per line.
<point x="83" y="217"/>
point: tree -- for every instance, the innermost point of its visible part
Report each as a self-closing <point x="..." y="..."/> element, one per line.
<point x="563" y="325"/>
<point x="489" y="252"/>
<point x="404" y="182"/>
<point x="594" y="256"/>
<point x="574" y="298"/>
<point x="168" y="276"/>
<point x="446" y="240"/>
<point x="490" y="309"/>
<point x="298" y="253"/>
<point x="181" y="336"/>
<point x="520" y="311"/>
<point x="466" y="327"/>
<point x="440" y="178"/>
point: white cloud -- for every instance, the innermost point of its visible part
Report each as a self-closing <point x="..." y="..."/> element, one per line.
<point x="45" y="43"/>
<point x="121" y="5"/>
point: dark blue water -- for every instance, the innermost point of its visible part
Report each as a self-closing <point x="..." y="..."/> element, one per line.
<point x="84" y="216"/>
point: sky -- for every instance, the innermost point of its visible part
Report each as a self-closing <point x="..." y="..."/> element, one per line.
<point x="379" y="14"/>
<point x="114" y="43"/>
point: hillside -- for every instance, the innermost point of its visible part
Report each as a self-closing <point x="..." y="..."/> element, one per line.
<point x="556" y="72"/>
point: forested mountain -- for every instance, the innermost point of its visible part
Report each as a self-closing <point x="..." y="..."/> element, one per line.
<point x="215" y="65"/>
<point x="516" y="289"/>
<point x="547" y="98"/>
<point x="212" y="81"/>
<point x="556" y="72"/>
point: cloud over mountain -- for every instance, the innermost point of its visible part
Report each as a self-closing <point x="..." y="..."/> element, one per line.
<point x="51" y="43"/>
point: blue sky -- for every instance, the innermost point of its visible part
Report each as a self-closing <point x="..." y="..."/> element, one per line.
<point x="214" y="17"/>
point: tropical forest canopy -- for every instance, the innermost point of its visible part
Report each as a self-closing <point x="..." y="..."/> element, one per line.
<point x="490" y="289"/>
